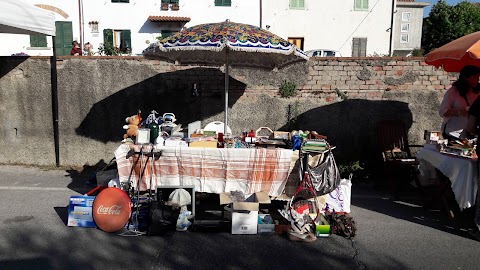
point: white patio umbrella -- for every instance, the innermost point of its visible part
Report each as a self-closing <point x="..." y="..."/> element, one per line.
<point x="226" y="44"/>
<point x="19" y="17"/>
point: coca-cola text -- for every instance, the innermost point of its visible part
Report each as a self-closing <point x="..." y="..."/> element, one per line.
<point x="112" y="210"/>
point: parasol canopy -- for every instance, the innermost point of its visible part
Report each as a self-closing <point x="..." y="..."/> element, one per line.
<point x="19" y="17"/>
<point x="226" y="44"/>
<point x="456" y="54"/>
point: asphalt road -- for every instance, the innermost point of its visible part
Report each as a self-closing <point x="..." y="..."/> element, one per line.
<point x="391" y="235"/>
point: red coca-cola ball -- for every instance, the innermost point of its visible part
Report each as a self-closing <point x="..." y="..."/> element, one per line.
<point x="111" y="209"/>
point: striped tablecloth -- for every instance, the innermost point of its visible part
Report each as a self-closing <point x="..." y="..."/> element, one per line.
<point x="212" y="170"/>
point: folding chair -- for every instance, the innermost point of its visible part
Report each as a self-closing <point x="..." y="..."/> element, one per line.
<point x="399" y="166"/>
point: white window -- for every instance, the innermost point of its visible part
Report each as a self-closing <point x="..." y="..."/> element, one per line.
<point x="404" y="38"/>
<point x="360" y="5"/>
<point x="405" y="27"/>
<point x="93" y="26"/>
<point x="405" y="16"/>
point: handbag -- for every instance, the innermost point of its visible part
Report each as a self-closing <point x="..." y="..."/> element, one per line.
<point x="343" y="224"/>
<point x="107" y="173"/>
<point x="325" y="176"/>
<point x="162" y="219"/>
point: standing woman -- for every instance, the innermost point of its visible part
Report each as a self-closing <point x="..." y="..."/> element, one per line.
<point x="472" y="127"/>
<point x="457" y="101"/>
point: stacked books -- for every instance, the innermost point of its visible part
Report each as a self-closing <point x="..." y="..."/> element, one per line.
<point x="314" y="145"/>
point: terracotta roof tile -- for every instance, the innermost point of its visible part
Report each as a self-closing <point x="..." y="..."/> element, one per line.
<point x="168" y="19"/>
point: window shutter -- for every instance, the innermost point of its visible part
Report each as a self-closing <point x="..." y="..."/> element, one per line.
<point x="294" y="3"/>
<point x="107" y="37"/>
<point x="126" y="40"/>
<point x="363" y="47"/>
<point x="365" y="5"/>
<point x="359" y="47"/>
<point x="33" y="41"/>
<point x="355" y="47"/>
<point x="38" y="41"/>
<point x="64" y="37"/>
<point x="301" y="4"/>
<point x="42" y="41"/>
<point x="358" y="4"/>
<point x="223" y="2"/>
<point x="166" y="33"/>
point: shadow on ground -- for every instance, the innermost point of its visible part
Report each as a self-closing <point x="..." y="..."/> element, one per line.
<point x="85" y="179"/>
<point x="33" y="263"/>
<point x="62" y="213"/>
<point x="411" y="205"/>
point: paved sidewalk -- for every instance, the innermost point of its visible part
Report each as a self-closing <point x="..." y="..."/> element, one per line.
<point x="391" y="235"/>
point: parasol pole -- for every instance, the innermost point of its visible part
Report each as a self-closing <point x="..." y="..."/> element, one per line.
<point x="226" y="91"/>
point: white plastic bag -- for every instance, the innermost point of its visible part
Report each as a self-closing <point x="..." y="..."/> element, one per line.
<point x="115" y="182"/>
<point x="339" y="200"/>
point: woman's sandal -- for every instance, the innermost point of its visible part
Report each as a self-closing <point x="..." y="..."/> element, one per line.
<point x="301" y="237"/>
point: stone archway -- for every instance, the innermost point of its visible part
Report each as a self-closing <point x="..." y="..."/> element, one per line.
<point x="54" y="9"/>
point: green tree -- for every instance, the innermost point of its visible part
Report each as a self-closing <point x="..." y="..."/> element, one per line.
<point x="446" y="23"/>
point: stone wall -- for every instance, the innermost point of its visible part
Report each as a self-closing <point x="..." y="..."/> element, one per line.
<point x="342" y="98"/>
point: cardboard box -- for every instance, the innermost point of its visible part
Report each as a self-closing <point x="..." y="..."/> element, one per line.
<point x="265" y="228"/>
<point x="251" y="203"/>
<point x="282" y="228"/>
<point x="432" y="137"/>
<point x="80" y="212"/>
<point x="322" y="230"/>
<point x="174" y="142"/>
<point x="245" y="213"/>
<point x="244" y="222"/>
<point x="203" y="144"/>
<point x="281" y="135"/>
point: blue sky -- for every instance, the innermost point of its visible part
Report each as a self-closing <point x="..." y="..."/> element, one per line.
<point x="450" y="2"/>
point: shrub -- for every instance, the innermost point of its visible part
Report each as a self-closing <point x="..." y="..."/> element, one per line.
<point x="287" y="89"/>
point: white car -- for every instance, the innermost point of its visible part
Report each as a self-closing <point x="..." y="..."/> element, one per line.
<point x="323" y="53"/>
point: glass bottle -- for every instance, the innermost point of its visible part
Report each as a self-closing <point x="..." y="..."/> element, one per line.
<point x="220" y="141"/>
<point x="154" y="131"/>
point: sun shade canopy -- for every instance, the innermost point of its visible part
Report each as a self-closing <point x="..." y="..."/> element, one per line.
<point x="206" y="44"/>
<point x="226" y="44"/>
<point x="18" y="17"/>
<point x="455" y="55"/>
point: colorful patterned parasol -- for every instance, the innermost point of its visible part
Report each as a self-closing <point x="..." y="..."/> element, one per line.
<point x="229" y="44"/>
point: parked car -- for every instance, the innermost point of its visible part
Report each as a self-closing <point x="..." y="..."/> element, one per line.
<point x="323" y="53"/>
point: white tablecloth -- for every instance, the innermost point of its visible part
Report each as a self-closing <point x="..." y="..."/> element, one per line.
<point x="462" y="172"/>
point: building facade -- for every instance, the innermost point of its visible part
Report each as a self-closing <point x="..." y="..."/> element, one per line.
<point x="351" y="27"/>
<point x="408" y="27"/>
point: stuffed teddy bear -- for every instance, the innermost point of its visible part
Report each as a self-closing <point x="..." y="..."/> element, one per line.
<point x="133" y="122"/>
